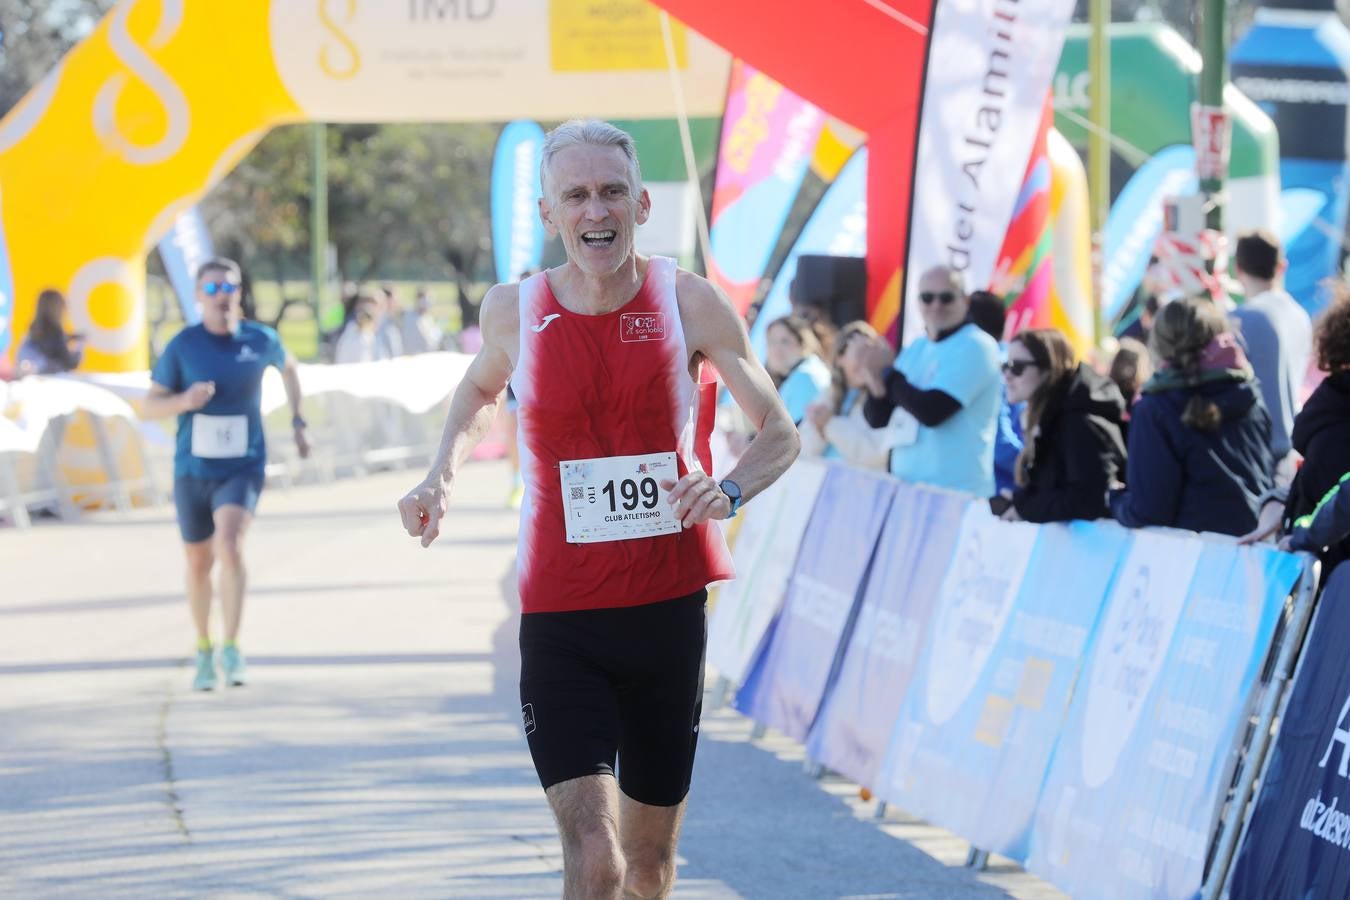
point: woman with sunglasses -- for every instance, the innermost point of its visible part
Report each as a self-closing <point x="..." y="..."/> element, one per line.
<point x="210" y="377"/>
<point x="1200" y="436"/>
<point x="940" y="401"/>
<point x="1073" y="451"/>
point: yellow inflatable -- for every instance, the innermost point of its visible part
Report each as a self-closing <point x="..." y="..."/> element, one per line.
<point x="166" y="96"/>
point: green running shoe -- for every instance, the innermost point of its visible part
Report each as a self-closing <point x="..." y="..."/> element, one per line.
<point x="205" y="679"/>
<point x="233" y="666"/>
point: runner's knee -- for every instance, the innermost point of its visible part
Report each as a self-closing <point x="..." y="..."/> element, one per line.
<point x="200" y="558"/>
<point x="593" y="849"/>
<point x="649" y="876"/>
<point x="230" y="547"/>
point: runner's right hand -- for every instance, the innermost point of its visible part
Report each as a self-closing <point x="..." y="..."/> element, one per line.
<point x="199" y="394"/>
<point x="422" y="510"/>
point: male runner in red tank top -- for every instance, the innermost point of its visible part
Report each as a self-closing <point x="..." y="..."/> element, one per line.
<point x="617" y="546"/>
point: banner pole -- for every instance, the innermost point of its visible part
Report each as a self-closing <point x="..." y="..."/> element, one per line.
<point x="318" y="220"/>
<point x="690" y="161"/>
<point x="1236" y="818"/>
<point x="1099" y="151"/>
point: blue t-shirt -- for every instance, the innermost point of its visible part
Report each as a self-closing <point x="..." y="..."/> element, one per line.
<point x="803" y="386"/>
<point x="959" y="453"/>
<point x="236" y="363"/>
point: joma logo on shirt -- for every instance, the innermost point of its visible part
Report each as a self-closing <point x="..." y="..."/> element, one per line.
<point x="246" y="354"/>
<point x="635" y="327"/>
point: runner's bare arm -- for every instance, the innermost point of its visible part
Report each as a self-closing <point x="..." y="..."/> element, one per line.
<point x="290" y="379"/>
<point x="472" y="410"/>
<point x="713" y="329"/>
<point x="159" y="401"/>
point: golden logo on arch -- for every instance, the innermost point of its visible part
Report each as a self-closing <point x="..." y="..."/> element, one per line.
<point x="348" y="45"/>
<point x="170" y="96"/>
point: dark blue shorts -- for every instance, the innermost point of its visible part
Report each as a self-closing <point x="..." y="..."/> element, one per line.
<point x="198" y="498"/>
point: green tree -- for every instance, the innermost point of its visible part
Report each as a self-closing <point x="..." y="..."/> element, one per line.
<point x="260" y="211"/>
<point x="34" y="37"/>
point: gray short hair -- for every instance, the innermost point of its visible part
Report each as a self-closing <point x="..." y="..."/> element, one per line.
<point x="596" y="133"/>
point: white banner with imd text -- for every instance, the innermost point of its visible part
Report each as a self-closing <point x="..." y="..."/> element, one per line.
<point x="989" y="68"/>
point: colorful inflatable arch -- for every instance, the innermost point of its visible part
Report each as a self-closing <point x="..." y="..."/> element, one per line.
<point x="166" y="96"/>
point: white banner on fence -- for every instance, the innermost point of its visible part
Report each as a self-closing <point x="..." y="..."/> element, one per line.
<point x="989" y="68"/>
<point x="765" y="551"/>
<point x="416" y="383"/>
<point x="30" y="404"/>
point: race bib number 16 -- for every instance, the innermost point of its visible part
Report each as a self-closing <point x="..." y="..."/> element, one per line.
<point x="618" y="498"/>
<point x="219" y="437"/>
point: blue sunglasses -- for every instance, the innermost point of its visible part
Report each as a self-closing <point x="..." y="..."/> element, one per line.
<point x="211" y="288"/>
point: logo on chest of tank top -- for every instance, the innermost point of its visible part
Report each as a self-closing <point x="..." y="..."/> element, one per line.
<point x="637" y="327"/>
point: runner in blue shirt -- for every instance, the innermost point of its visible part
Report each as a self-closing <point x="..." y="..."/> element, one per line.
<point x="210" y="376"/>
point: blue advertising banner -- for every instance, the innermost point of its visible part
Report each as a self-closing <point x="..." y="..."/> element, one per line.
<point x="1294" y="63"/>
<point x="1298" y="841"/>
<point x="517" y="232"/>
<point x="765" y="550"/>
<point x="1132" y="795"/>
<point x="1135" y="220"/>
<point x="1318" y="187"/>
<point x="979" y="772"/>
<point x="182" y="250"/>
<point x="790" y="678"/>
<point x="837" y="227"/>
<point x="855" y="724"/>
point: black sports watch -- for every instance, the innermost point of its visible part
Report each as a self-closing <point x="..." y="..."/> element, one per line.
<point x="299" y="422"/>
<point x="733" y="492"/>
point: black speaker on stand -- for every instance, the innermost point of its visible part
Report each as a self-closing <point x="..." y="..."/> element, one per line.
<point x="836" y="284"/>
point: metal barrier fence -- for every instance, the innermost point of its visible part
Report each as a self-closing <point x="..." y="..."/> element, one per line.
<point x="1093" y="702"/>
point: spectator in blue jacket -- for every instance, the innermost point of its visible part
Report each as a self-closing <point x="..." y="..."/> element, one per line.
<point x="988" y="312"/>
<point x="1199" y="454"/>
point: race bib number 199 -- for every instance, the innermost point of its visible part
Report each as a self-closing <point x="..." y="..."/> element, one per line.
<point x="618" y="498"/>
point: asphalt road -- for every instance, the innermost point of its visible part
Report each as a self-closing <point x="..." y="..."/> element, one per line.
<point x="377" y="750"/>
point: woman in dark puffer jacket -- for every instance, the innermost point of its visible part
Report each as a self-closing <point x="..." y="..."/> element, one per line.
<point x="1199" y="436"/>
<point x="1073" y="451"/>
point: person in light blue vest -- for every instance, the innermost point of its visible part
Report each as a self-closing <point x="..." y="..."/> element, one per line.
<point x="795" y="365"/>
<point x="210" y="376"/>
<point x="940" y="399"/>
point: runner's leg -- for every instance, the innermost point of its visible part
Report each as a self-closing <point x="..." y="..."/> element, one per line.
<point x="231" y="525"/>
<point x="649" y="835"/>
<point x="587" y="810"/>
<point x="200" y="557"/>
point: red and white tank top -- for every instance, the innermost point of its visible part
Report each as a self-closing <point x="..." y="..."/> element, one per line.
<point x="616" y="384"/>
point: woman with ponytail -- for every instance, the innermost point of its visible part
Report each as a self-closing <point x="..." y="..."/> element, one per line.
<point x="1200" y="433"/>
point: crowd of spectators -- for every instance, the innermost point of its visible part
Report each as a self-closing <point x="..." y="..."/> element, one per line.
<point x="1197" y="423"/>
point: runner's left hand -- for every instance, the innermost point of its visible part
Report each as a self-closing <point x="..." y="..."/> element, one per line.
<point x="302" y="442"/>
<point x="697" y="498"/>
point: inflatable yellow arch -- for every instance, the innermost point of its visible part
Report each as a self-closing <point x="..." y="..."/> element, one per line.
<point x="166" y="96"/>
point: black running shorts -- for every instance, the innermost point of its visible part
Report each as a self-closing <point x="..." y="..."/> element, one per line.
<point x="604" y="683"/>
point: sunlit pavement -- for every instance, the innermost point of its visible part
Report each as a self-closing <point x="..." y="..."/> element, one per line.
<point x="377" y="749"/>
